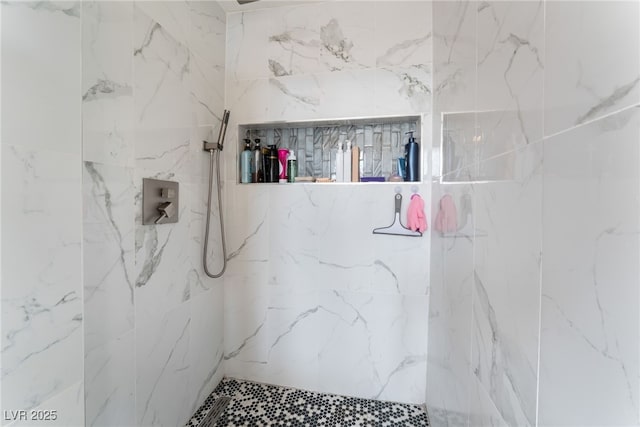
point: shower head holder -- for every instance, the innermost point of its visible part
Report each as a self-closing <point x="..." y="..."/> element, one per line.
<point x="211" y="146"/>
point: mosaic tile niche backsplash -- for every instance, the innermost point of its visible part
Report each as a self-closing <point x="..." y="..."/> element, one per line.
<point x="315" y="145"/>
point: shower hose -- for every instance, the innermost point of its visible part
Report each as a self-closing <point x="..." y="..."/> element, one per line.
<point x="214" y="155"/>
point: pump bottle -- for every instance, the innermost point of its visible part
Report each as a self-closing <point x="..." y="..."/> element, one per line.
<point x="412" y="159"/>
<point x="292" y="167"/>
<point x="274" y="164"/>
<point x="257" y="175"/>
<point x="347" y="163"/>
<point x="245" y="162"/>
<point x="340" y="163"/>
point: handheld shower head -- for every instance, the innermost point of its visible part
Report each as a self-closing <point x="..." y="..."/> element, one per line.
<point x="212" y="146"/>
<point x="214" y="150"/>
<point x="223" y="128"/>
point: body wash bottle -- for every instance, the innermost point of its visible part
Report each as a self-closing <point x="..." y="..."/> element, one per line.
<point x="412" y="159"/>
<point x="292" y="167"/>
<point x="339" y="163"/>
<point x="257" y="175"/>
<point x="347" y="163"/>
<point x="274" y="164"/>
<point x="246" y="158"/>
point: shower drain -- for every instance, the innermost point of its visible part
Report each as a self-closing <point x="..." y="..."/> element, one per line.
<point x="218" y="406"/>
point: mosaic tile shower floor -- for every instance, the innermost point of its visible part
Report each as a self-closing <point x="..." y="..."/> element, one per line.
<point x="262" y="405"/>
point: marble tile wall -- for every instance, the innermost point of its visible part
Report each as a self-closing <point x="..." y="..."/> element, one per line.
<point x="547" y="258"/>
<point x="312" y="298"/>
<point x="42" y="307"/>
<point x="103" y="94"/>
<point x="449" y="379"/>
<point x="590" y="268"/>
<point x="589" y="339"/>
<point x="153" y="89"/>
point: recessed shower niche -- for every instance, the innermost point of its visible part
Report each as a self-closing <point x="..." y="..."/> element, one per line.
<point x="380" y="141"/>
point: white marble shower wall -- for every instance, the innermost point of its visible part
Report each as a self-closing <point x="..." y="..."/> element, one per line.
<point x="312" y="298"/>
<point x="153" y="88"/>
<point x="101" y="95"/>
<point x="42" y="308"/>
<point x="591" y="216"/>
<point x="534" y="308"/>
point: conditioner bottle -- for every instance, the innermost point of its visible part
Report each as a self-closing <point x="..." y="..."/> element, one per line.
<point x="246" y="158"/>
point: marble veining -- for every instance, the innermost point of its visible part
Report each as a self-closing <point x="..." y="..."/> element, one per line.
<point x="459" y="18"/>
<point x="504" y="385"/>
<point x="282" y="325"/>
<point x="245" y="341"/>
<point x="106" y="89"/>
<point x="591" y="77"/>
<point x="407" y="362"/>
<point x="168" y="153"/>
<point x="607" y="102"/>
<point x="107" y="83"/>
<point x="100" y="190"/>
<point x="245" y="241"/>
<point x="41" y="304"/>
<point x="163" y="368"/>
<point x="601" y="338"/>
<point x="589" y="292"/>
<point x="110" y="382"/>
<point x="510" y="68"/>
<point x="205" y="383"/>
<point x="335" y="43"/>
<point x="603" y="349"/>
<point x="408" y="44"/>
<point x="162" y="363"/>
<point x="148" y="38"/>
<point x="281" y="86"/>
<point x="277" y="69"/>
<point x="295" y="50"/>
<point x="413" y="85"/>
<point x="399" y="52"/>
<point x="68" y="8"/>
<point x="108" y="254"/>
<point x="152" y="258"/>
<point x="157" y="54"/>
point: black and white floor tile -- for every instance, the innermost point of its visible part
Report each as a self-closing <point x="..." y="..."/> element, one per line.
<point x="258" y="405"/>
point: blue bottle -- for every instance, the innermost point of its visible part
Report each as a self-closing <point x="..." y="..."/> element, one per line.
<point x="412" y="159"/>
<point x="246" y="158"/>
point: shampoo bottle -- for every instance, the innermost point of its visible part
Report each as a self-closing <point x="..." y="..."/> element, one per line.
<point x="245" y="162"/>
<point x="412" y="159"/>
<point x="265" y="164"/>
<point x="339" y="163"/>
<point x="283" y="153"/>
<point x="274" y="164"/>
<point x="292" y="167"/>
<point x="257" y="175"/>
<point x="347" y="163"/>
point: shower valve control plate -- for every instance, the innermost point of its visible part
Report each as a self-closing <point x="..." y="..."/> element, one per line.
<point x="159" y="201"/>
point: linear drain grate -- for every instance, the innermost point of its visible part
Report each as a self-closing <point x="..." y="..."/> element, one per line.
<point x="216" y="410"/>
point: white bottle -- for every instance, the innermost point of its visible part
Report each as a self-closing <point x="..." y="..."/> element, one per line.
<point x="347" y="163"/>
<point x="340" y="164"/>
